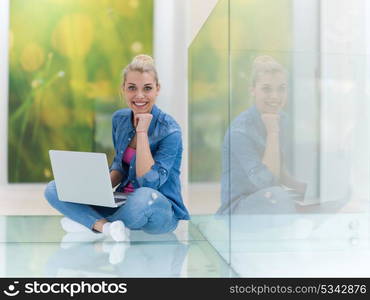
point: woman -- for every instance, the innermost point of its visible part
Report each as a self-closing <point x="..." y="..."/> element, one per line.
<point x="148" y="151"/>
<point x="255" y="152"/>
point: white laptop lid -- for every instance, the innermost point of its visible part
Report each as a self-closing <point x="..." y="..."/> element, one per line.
<point x="82" y="177"/>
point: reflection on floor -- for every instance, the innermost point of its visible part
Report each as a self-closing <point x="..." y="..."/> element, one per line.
<point x="36" y="246"/>
<point x="295" y="245"/>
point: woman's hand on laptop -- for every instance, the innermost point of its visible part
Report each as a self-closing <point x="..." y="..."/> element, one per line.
<point x="115" y="177"/>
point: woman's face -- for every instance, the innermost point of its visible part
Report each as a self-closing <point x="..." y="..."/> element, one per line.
<point x="140" y="90"/>
<point x="270" y="92"/>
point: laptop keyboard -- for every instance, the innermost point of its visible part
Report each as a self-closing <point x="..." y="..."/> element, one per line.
<point x="120" y="197"/>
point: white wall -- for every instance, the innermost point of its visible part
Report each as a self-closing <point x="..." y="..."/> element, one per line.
<point x="305" y="114"/>
<point x="4" y="20"/>
<point x="345" y="104"/>
<point x="199" y="12"/>
<point x="330" y="80"/>
<point x="170" y="54"/>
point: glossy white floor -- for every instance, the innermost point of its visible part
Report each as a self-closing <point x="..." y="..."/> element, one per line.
<point x="297" y="245"/>
<point x="36" y="246"/>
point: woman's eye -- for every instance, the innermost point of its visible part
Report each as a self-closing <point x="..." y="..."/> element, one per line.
<point x="147" y="88"/>
<point x="131" y="88"/>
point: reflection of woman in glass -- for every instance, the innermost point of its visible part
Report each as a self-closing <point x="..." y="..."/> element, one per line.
<point x="148" y="151"/>
<point x="255" y="148"/>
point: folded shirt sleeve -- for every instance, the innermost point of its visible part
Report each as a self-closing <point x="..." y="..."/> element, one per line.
<point x="164" y="158"/>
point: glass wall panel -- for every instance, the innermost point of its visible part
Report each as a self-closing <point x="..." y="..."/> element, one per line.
<point x="298" y="195"/>
<point x="208" y="121"/>
<point x="293" y="187"/>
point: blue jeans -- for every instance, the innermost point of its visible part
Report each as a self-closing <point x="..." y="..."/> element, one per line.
<point x="141" y="211"/>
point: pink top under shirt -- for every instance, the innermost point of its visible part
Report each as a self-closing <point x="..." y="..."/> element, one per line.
<point x="126" y="158"/>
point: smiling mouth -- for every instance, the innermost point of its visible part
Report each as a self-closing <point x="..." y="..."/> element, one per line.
<point x="273" y="104"/>
<point x="139" y="104"/>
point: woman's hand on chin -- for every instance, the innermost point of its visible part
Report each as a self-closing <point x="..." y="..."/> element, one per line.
<point x="271" y="122"/>
<point x="142" y="121"/>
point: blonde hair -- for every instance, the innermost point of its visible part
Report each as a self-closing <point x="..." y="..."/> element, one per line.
<point x="265" y="64"/>
<point x="140" y="63"/>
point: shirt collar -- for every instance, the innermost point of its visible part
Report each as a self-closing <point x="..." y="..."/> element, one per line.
<point x="258" y="121"/>
<point x="155" y="112"/>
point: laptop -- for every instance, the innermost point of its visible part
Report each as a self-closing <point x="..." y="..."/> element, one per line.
<point x="83" y="177"/>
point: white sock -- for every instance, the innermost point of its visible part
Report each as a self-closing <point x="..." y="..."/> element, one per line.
<point x="116" y="230"/>
<point x="71" y="226"/>
<point x="106" y="228"/>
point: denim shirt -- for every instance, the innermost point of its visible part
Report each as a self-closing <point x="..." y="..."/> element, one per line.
<point x="166" y="147"/>
<point x="243" y="172"/>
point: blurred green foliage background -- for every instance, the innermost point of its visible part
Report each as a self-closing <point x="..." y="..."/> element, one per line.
<point x="220" y="63"/>
<point x="65" y="63"/>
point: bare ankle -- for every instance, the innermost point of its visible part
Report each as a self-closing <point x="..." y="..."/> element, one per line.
<point x="98" y="226"/>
